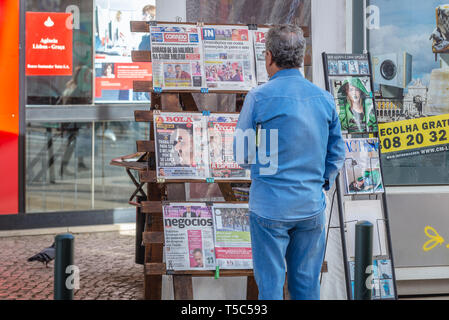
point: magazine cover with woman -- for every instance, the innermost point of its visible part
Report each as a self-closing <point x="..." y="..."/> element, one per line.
<point x="355" y="105"/>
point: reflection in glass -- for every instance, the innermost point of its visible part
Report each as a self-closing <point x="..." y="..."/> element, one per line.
<point x="67" y="165"/>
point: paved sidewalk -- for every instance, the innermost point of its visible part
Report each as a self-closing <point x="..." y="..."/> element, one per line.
<point x="105" y="260"/>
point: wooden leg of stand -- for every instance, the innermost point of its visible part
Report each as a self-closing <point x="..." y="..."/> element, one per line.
<point x="252" y="292"/>
<point x="152" y="287"/>
<point x="183" y="287"/>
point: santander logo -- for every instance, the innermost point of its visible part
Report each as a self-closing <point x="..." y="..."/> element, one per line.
<point x="176" y="37"/>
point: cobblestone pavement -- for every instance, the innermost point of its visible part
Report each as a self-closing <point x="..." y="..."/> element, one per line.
<point x="105" y="261"/>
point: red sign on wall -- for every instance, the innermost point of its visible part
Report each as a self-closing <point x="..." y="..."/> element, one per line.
<point x="49" y="42"/>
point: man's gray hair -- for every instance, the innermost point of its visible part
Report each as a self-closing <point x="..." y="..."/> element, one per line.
<point x="287" y="45"/>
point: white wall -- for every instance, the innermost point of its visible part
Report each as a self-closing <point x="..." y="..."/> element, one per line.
<point x="328" y="33"/>
<point x="171" y="10"/>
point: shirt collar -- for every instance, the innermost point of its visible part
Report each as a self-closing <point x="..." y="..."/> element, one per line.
<point x="286" y="73"/>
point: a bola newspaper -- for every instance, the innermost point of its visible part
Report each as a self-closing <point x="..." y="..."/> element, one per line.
<point x="259" y="50"/>
<point x="176" y="54"/>
<point x="228" y="58"/>
<point x="189" y="241"/>
<point x="181" y="145"/>
<point x="221" y="128"/>
<point x="232" y="236"/>
<point x="362" y="173"/>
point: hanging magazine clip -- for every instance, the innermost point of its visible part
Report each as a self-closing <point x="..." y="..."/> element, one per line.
<point x="206" y="113"/>
<point x="204" y="90"/>
<point x="200" y="24"/>
<point x="209" y="204"/>
<point x="152" y="23"/>
<point x="160" y="180"/>
<point x="156" y="112"/>
<point x="252" y="26"/>
<point x="157" y="89"/>
<point x="217" y="272"/>
<point x="210" y="180"/>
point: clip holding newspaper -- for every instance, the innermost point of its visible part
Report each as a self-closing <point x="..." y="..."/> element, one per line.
<point x="201" y="237"/>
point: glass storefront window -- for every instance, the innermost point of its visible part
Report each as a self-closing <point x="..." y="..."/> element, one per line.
<point x="46" y="86"/>
<point x="68" y="165"/>
<point x="408" y="44"/>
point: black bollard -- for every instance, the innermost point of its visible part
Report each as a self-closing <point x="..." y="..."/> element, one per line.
<point x="140" y="228"/>
<point x="64" y="258"/>
<point x="363" y="259"/>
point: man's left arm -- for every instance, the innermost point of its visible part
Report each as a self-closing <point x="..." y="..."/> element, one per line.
<point x="335" y="149"/>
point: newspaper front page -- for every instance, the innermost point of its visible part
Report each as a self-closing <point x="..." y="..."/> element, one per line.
<point x="228" y="58"/>
<point x="232" y="236"/>
<point x="177" y="56"/>
<point x="181" y="145"/>
<point x="221" y="128"/>
<point x="189" y="241"/>
<point x="259" y="51"/>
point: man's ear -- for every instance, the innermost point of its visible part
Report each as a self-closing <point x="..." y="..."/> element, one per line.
<point x="270" y="58"/>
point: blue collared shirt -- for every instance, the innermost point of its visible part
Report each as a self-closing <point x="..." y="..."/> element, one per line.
<point x="309" y="152"/>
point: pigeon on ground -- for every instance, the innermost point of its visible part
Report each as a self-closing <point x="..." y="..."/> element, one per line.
<point x="45" y="256"/>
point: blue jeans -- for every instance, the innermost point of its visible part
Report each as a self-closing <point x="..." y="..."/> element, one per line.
<point x="297" y="245"/>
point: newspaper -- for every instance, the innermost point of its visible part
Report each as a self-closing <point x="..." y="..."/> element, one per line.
<point x="189" y="241"/>
<point x="381" y="279"/>
<point x="232" y="236"/>
<point x="177" y="57"/>
<point x="221" y="128"/>
<point x="259" y="51"/>
<point x="362" y="172"/>
<point x="228" y="58"/>
<point x="181" y="145"/>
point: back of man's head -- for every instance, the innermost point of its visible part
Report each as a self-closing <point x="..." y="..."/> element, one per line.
<point x="287" y="46"/>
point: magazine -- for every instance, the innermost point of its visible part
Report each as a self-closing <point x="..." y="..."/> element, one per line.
<point x="181" y="145"/>
<point x="365" y="210"/>
<point x="355" y="107"/>
<point x="232" y="236"/>
<point x="362" y="172"/>
<point x="221" y="128"/>
<point x="177" y="57"/>
<point x="347" y="64"/>
<point x="382" y="283"/>
<point x="228" y="58"/>
<point x="259" y="52"/>
<point x="189" y="241"/>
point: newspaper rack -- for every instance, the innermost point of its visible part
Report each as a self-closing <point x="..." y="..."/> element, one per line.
<point x="149" y="200"/>
<point x="367" y="72"/>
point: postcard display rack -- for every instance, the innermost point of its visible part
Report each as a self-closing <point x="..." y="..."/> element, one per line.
<point x="171" y="93"/>
<point x="349" y="79"/>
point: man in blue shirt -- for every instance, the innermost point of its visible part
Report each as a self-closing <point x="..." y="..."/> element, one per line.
<point x="289" y="134"/>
